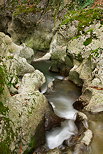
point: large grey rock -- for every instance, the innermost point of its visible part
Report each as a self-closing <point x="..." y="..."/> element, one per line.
<point x="27" y="53"/>
<point x="31" y="82"/>
<point x="9" y="48"/>
<point x="25" y="113"/>
<point x="19" y="66"/>
<point x="22" y="106"/>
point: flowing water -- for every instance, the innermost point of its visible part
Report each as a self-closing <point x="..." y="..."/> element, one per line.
<point x="61" y="97"/>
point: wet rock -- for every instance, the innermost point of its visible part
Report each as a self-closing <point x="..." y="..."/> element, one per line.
<point x="84" y="119"/>
<point x="55" y="151"/>
<point x="45" y="57"/>
<point x="85" y="141"/>
<point x="51" y="120"/>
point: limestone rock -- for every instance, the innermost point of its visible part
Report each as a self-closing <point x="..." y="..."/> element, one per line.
<point x="85" y="52"/>
<point x="19" y="65"/>
<point x="31" y="82"/>
<point x="22" y="106"/>
<point x="55" y="151"/>
<point x="87" y="137"/>
<point x="26" y="112"/>
<point x="27" y="53"/>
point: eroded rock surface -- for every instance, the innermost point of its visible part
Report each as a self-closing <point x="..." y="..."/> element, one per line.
<point x="22" y="106"/>
<point x="80" y="40"/>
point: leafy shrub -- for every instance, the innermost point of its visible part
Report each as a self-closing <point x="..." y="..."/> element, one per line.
<point x="85" y="3"/>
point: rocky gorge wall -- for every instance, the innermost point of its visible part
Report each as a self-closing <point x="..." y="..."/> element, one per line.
<point x="78" y="44"/>
<point x="22" y="106"/>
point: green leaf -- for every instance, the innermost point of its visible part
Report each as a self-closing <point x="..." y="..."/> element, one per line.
<point x="88" y="41"/>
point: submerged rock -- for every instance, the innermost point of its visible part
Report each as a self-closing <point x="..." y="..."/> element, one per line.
<point x="85" y="141"/>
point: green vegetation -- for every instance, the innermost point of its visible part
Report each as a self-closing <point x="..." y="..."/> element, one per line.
<point x="2" y="79"/>
<point x="25" y="6"/>
<point x="95" y="53"/>
<point x="84" y="4"/>
<point x="7" y="132"/>
<point x="3" y="109"/>
<point x="88" y="41"/>
<point x="84" y="16"/>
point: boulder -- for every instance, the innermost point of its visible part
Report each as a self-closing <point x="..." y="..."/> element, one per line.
<point x="25" y="114"/>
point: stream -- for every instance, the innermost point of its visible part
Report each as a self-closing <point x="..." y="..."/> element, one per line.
<point x="61" y="98"/>
<point x="61" y="94"/>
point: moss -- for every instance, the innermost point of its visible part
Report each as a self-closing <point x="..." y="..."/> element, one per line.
<point x="38" y="43"/>
<point x="7" y="132"/>
<point x="85" y="17"/>
<point x="79" y="57"/>
<point x="24" y="9"/>
<point x="7" y="136"/>
<point x="3" y="109"/>
<point x="4" y="148"/>
<point x="2" y="79"/>
<point x="69" y="61"/>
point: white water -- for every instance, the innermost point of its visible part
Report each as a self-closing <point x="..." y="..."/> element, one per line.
<point x="63" y="108"/>
<point x="56" y="137"/>
<point x="62" y="99"/>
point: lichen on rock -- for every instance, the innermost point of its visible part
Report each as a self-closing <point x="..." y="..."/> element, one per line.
<point x="22" y="106"/>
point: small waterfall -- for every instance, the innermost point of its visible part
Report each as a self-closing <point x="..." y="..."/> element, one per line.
<point x="61" y="100"/>
<point x="56" y="137"/>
